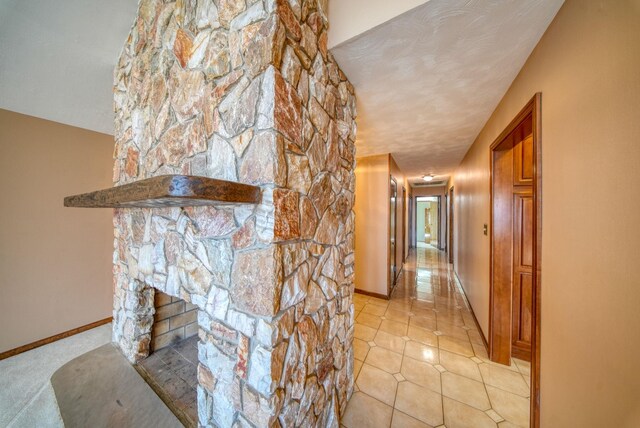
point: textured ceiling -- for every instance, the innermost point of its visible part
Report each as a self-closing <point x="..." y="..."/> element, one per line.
<point x="428" y="80"/>
<point x="57" y="58"/>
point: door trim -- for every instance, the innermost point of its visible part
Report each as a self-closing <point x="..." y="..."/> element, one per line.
<point x="392" y="274"/>
<point x="404" y="224"/>
<point x="451" y="209"/>
<point x="532" y="108"/>
<point x="439" y="209"/>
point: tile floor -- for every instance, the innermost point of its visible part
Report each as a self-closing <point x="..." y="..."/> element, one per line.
<point x="420" y="361"/>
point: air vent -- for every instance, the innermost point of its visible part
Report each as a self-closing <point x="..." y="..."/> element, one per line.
<point x="430" y="184"/>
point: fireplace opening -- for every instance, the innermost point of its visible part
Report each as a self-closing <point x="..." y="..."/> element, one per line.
<point x="174" y="321"/>
<point x="171" y="368"/>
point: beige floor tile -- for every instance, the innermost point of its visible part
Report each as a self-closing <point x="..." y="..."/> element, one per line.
<point x="366" y="411"/>
<point x="425" y="296"/>
<point x="357" y="365"/>
<point x="504" y="379"/>
<point x="447" y="314"/>
<point x="426" y="313"/>
<point x="422" y="335"/>
<point x="459" y="364"/>
<point x="378" y="384"/>
<point x="511" y="407"/>
<point x="494" y="416"/>
<point x="427" y="286"/>
<point x="368" y="320"/>
<point x="459" y="415"/>
<point x="422" y="304"/>
<point x="402" y="420"/>
<point x="399" y="316"/>
<point x="475" y="337"/>
<point x="384" y="359"/>
<point x="507" y="424"/>
<point x="377" y="301"/>
<point x="357" y="297"/>
<point x="480" y="350"/>
<point x="512" y="367"/>
<point x="360" y="349"/>
<point x="374" y="309"/>
<point x="394" y="327"/>
<point x="400" y="306"/>
<point x="469" y="321"/>
<point x="390" y="342"/>
<point x="465" y="390"/>
<point x="420" y="403"/>
<point x="428" y="298"/>
<point x="455" y="345"/>
<point x="422" y="374"/>
<point x="452" y="330"/>
<point x="523" y="366"/>
<point x="455" y="320"/>
<point x="423" y="322"/>
<point x="364" y="332"/>
<point x="421" y="352"/>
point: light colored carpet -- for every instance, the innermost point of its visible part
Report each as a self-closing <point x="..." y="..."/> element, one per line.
<point x="41" y="412"/>
<point x="25" y="397"/>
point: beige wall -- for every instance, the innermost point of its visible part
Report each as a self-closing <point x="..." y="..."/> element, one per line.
<point x="55" y="261"/>
<point x="587" y="67"/>
<point x="372" y="223"/>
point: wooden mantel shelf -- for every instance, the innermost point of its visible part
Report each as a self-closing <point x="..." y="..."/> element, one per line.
<point x="168" y="191"/>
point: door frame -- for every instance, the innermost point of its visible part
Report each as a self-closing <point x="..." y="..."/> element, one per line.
<point x="411" y="208"/>
<point x="446" y="223"/>
<point x="414" y="230"/>
<point x="533" y="108"/>
<point x="392" y="273"/>
<point x="439" y="214"/>
<point x="451" y="223"/>
<point x="404" y="223"/>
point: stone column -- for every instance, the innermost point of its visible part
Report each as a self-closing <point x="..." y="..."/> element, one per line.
<point x="243" y="91"/>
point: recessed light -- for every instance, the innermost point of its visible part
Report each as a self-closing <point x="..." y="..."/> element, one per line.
<point x="428" y="177"/>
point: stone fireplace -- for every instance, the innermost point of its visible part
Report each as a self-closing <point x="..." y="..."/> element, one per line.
<point x="241" y="91"/>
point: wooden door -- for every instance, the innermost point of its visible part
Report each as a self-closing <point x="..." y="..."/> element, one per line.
<point x="522" y="274"/>
<point x="513" y="235"/>
<point x="523" y="236"/>
<point x="439" y="228"/>
<point x="451" y="225"/>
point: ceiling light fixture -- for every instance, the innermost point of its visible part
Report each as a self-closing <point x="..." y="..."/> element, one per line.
<point x="428" y="177"/>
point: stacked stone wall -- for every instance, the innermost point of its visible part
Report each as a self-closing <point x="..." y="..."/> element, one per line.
<point x="242" y="91"/>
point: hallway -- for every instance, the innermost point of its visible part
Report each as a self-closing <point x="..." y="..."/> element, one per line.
<point x="420" y="360"/>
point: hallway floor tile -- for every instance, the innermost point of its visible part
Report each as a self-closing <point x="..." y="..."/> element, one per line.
<point x="420" y="360"/>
